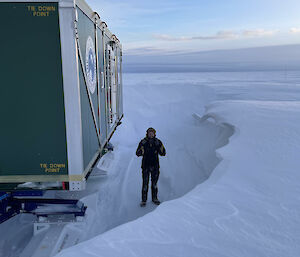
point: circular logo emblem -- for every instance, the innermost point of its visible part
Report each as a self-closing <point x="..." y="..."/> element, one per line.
<point x="90" y="65"/>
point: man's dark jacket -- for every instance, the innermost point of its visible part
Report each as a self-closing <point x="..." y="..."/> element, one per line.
<point x="150" y="148"/>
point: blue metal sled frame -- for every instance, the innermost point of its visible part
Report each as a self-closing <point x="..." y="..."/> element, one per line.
<point x="12" y="204"/>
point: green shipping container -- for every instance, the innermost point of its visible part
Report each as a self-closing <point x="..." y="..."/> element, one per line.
<point x="60" y="92"/>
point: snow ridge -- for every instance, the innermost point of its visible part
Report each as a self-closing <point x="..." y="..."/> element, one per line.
<point x="249" y="206"/>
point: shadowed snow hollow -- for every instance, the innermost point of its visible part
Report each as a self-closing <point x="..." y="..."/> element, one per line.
<point x="191" y="144"/>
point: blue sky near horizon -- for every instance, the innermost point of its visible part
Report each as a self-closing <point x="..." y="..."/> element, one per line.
<point x="153" y="27"/>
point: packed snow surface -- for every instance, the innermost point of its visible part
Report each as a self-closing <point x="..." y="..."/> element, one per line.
<point x="229" y="184"/>
<point x="248" y="206"/>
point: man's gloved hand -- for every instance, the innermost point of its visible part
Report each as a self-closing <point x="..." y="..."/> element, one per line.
<point x="162" y="150"/>
<point x="140" y="151"/>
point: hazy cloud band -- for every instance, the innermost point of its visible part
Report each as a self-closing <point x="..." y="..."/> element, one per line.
<point x="220" y="35"/>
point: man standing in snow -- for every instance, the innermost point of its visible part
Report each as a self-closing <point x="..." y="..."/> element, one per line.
<point x="150" y="147"/>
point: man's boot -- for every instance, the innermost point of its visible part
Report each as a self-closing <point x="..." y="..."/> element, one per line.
<point x="156" y="201"/>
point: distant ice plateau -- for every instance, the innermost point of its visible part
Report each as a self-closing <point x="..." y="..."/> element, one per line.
<point x="268" y="58"/>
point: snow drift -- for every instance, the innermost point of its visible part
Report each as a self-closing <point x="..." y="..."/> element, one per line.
<point x="249" y="206"/>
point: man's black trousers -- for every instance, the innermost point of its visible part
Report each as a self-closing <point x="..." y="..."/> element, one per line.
<point x="154" y="172"/>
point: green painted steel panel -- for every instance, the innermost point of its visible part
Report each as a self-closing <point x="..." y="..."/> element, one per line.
<point x="86" y="30"/>
<point x="32" y="131"/>
<point x="89" y="136"/>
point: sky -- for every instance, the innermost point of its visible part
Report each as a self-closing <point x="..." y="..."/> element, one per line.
<point x="177" y="26"/>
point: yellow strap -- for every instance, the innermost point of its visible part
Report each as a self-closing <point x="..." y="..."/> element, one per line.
<point x="41" y="178"/>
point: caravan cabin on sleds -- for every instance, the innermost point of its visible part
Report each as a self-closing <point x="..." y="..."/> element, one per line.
<point x="60" y="92"/>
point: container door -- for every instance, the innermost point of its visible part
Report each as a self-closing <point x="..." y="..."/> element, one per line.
<point x="102" y="89"/>
<point x="111" y="86"/>
<point x="120" y="86"/>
